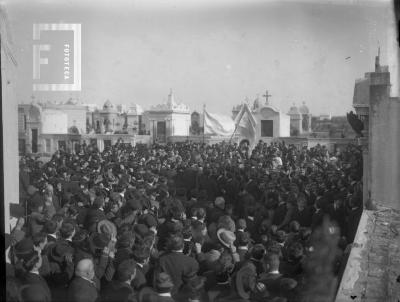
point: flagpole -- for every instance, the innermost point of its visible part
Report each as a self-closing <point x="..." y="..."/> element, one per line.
<point x="237" y="124"/>
<point x="204" y="119"/>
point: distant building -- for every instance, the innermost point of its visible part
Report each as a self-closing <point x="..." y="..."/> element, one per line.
<point x="325" y="117"/>
<point x="168" y="119"/>
<point x="300" y="120"/>
<point x="46" y="127"/>
<point x="270" y="121"/>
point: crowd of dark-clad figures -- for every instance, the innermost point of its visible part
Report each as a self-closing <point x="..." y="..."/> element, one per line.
<point x="180" y="222"/>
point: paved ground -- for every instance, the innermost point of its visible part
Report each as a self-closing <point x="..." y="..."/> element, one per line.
<point x="374" y="262"/>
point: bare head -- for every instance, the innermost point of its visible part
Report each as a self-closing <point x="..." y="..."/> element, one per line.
<point x="85" y="268"/>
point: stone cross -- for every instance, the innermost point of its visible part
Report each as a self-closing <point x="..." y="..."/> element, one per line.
<point x="266" y="96"/>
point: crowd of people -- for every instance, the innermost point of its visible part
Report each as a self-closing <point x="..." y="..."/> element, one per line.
<point x="178" y="222"/>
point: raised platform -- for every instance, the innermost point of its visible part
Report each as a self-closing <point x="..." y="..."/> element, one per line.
<point x="374" y="262"/>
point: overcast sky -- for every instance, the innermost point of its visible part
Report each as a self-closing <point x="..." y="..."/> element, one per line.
<point x="211" y="52"/>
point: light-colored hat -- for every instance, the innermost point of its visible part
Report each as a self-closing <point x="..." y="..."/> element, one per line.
<point x="226" y="237"/>
<point x="106" y="227"/>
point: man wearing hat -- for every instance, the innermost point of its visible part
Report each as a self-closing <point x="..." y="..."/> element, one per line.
<point x="161" y="292"/>
<point x="102" y="248"/>
<point x="246" y="279"/>
<point x="276" y="284"/>
<point x="67" y="232"/>
<point x="179" y="266"/>
<point x="242" y="242"/>
<point x="141" y="254"/>
<point x="60" y="257"/>
<point x="50" y="229"/>
<point x="218" y="210"/>
<point x="120" y="289"/>
<point x="23" y="248"/>
<point x="32" y="264"/>
<point x="124" y="247"/>
<point x="36" y="219"/>
<point x="95" y="213"/>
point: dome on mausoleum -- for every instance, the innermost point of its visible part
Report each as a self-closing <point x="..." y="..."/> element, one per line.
<point x="304" y="109"/>
<point x="294" y="110"/>
<point x="108" y="105"/>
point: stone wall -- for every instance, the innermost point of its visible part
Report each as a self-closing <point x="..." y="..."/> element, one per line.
<point x="374" y="261"/>
<point x="200" y="139"/>
<point x="384" y="151"/>
<point x="69" y="139"/>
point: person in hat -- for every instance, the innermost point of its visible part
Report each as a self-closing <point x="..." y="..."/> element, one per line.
<point x="303" y="213"/>
<point x="218" y="210"/>
<point x="141" y="254"/>
<point x="246" y="280"/>
<point x="141" y="231"/>
<point x="36" y="219"/>
<point x="83" y="288"/>
<point x="219" y="281"/>
<point x="102" y="248"/>
<point x="179" y="266"/>
<point x="82" y="196"/>
<point x="120" y="289"/>
<point x="276" y="284"/>
<point x="124" y="247"/>
<point x="292" y="265"/>
<point x="60" y="257"/>
<point x="227" y="239"/>
<point x="95" y="214"/>
<point x="32" y="264"/>
<point x="161" y="292"/>
<point x="81" y="245"/>
<point x="242" y="242"/>
<point x="107" y="227"/>
<point x="150" y="221"/>
<point x="193" y="290"/>
<point x="23" y="249"/>
<point x="67" y="232"/>
<point x="50" y="229"/>
<point x="171" y="226"/>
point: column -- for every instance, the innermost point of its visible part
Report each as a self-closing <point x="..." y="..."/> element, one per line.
<point x="10" y="136"/>
<point x="100" y="144"/>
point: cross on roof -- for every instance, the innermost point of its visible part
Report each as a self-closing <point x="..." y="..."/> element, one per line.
<point x="266" y="96"/>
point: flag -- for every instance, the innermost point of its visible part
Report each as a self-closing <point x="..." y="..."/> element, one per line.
<point x="246" y="125"/>
<point x="217" y="124"/>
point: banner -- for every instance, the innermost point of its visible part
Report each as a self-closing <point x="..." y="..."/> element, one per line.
<point x="217" y="124"/>
<point x="246" y="125"/>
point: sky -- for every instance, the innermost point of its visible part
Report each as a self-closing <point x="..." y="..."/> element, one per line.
<point x="215" y="53"/>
